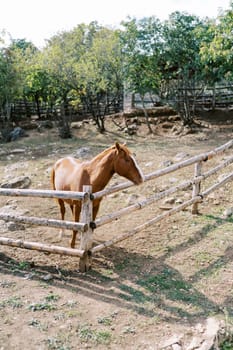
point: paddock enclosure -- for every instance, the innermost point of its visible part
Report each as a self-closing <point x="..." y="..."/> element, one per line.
<point x="196" y="189"/>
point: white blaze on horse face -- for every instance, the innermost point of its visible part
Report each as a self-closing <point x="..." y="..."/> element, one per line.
<point x="138" y="168"/>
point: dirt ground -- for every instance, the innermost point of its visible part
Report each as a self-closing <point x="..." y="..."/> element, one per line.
<point x="152" y="291"/>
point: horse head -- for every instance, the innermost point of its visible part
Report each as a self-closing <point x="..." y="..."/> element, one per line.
<point x="125" y="164"/>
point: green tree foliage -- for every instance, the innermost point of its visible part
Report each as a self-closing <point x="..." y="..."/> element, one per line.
<point x="216" y="50"/>
<point x="180" y="61"/>
<point x="85" y="64"/>
<point x="141" y="41"/>
<point x="10" y="86"/>
<point x="100" y="75"/>
<point x="89" y="65"/>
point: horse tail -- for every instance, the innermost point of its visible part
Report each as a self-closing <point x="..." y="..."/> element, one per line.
<point x="53" y="179"/>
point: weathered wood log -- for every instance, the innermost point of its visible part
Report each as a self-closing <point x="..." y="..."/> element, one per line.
<point x="218" y="185"/>
<point x="86" y="237"/>
<point x="42" y="193"/>
<point x="214" y="170"/>
<point x="152" y="112"/>
<point x="45" y="222"/>
<point x="196" y="186"/>
<point x="40" y="247"/>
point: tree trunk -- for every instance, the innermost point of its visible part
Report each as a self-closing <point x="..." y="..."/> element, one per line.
<point x="214" y="98"/>
<point x="146" y="115"/>
<point x="37" y="105"/>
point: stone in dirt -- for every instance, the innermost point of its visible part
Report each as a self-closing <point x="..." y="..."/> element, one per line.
<point x="18" y="182"/>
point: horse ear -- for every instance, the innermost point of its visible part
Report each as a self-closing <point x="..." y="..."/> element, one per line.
<point x="117" y="145"/>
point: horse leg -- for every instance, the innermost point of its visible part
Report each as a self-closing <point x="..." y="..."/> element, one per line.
<point x="62" y="211"/>
<point x="76" y="213"/>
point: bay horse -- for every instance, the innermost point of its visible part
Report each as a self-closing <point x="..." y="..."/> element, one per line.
<point x="70" y="174"/>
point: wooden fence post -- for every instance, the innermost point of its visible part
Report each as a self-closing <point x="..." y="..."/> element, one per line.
<point x="86" y="237"/>
<point x="196" y="186"/>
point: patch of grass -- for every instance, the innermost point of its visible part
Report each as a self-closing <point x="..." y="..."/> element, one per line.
<point x="107" y="272"/>
<point x="87" y="334"/>
<point x="218" y="219"/>
<point x="14" y="302"/>
<point x="103" y="337"/>
<point x="34" y="323"/>
<point x="129" y="330"/>
<point x="52" y="297"/>
<point x="126" y="263"/>
<point x="42" y="306"/>
<point x="103" y="277"/>
<point x="47" y="304"/>
<point x="170" y="284"/>
<point x="73" y="313"/>
<point x="37" y="324"/>
<point x="132" y="294"/>
<point x="55" y="343"/>
<point x="20" y="266"/>
<point x="123" y="265"/>
<point x="203" y="257"/>
<point x="226" y="343"/>
<point x="107" y="321"/>
<point x="71" y="303"/>
<point x="44" y="285"/>
<point x="60" y="317"/>
<point x="214" y="270"/>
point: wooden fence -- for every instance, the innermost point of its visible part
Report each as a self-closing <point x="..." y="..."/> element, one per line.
<point x="20" y="109"/>
<point x="199" y="98"/>
<point x="86" y="224"/>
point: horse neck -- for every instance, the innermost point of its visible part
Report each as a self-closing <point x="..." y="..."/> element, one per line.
<point x="101" y="170"/>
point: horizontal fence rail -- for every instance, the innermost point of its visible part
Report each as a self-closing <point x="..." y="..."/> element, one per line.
<point x="41" y="247"/>
<point x="43" y="193"/>
<point x="218" y="185"/>
<point x="45" y="222"/>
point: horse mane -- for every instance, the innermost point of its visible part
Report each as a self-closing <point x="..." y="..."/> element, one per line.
<point x="108" y="150"/>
